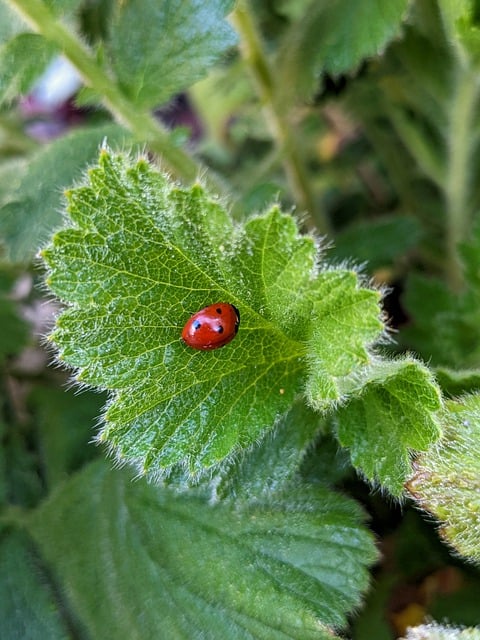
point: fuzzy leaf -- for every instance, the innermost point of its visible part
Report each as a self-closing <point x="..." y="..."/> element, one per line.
<point x="273" y="465"/>
<point x="32" y="209"/>
<point x="289" y="568"/>
<point x="141" y="257"/>
<point x="394" y="414"/>
<point x="22" y="60"/>
<point x="159" y="49"/>
<point x="335" y="37"/>
<point x="447" y="477"/>
<point x="345" y="320"/>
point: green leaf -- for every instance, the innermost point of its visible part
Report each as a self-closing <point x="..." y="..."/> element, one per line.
<point x="445" y="326"/>
<point x="274" y="464"/>
<point x="10" y="23"/>
<point x="22" y="61"/>
<point x="33" y="209"/>
<point x="159" y="49"/>
<point x="345" y="320"/>
<point x="288" y="568"/>
<point x="455" y="383"/>
<point x="378" y="243"/>
<point x="447" y="477"/>
<point x="395" y="414"/>
<point x="27" y="604"/>
<point x="141" y="258"/>
<point x="65" y="424"/>
<point x="335" y="37"/>
<point x="14" y="334"/>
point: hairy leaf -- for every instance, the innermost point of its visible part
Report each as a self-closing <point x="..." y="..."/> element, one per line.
<point x="447" y="477"/>
<point x="395" y="414"/>
<point x="159" y="49"/>
<point x="287" y="568"/>
<point x="140" y="258"/>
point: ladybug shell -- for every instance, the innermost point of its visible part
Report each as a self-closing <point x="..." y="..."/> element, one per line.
<point x="212" y="327"/>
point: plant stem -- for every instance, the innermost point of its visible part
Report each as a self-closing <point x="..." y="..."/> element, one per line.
<point x="263" y="76"/>
<point x="141" y="123"/>
<point x="461" y="144"/>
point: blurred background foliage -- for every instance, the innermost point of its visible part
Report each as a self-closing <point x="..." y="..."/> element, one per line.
<point x="378" y="148"/>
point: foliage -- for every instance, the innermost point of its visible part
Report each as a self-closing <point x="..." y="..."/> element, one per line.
<point x="314" y="164"/>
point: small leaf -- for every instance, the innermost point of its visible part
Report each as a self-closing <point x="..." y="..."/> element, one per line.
<point x="33" y="209"/>
<point x="27" y="604"/>
<point x="335" y="37"/>
<point x="159" y="49"/>
<point x="447" y="477"/>
<point x="22" y="60"/>
<point x="288" y="568"/>
<point x="141" y="258"/>
<point x="394" y="415"/>
<point x="345" y="320"/>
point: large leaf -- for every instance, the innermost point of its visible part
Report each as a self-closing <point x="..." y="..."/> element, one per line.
<point x="447" y="477"/>
<point x="140" y="258"/>
<point x="159" y="49"/>
<point x="169" y="564"/>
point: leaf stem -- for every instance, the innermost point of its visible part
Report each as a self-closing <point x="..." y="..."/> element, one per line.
<point x="263" y="76"/>
<point x="141" y="123"/>
<point x="461" y="143"/>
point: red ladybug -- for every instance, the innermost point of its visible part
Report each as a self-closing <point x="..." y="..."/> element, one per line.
<point x="212" y="327"/>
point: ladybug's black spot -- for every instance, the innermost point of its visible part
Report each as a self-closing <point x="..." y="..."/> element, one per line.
<point x="197" y="324"/>
<point x="219" y="310"/>
<point x="219" y="329"/>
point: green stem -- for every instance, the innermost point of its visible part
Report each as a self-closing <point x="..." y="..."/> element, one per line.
<point x="459" y="171"/>
<point x="294" y="166"/>
<point x="141" y="123"/>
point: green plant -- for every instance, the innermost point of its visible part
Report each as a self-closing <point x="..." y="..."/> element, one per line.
<point x="238" y="511"/>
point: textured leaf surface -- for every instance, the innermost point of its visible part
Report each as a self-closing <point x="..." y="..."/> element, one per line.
<point x="159" y="49"/>
<point x="447" y="477"/>
<point x="288" y="568"/>
<point x="141" y="258"/>
<point x="335" y="37"/>
<point x="274" y="464"/>
<point x="27" y="605"/>
<point x="33" y="206"/>
<point x="394" y="414"/>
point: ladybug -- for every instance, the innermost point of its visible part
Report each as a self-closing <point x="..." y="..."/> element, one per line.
<point x="212" y="327"/>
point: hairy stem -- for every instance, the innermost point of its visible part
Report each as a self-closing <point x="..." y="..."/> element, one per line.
<point x="141" y="123"/>
<point x="255" y="56"/>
